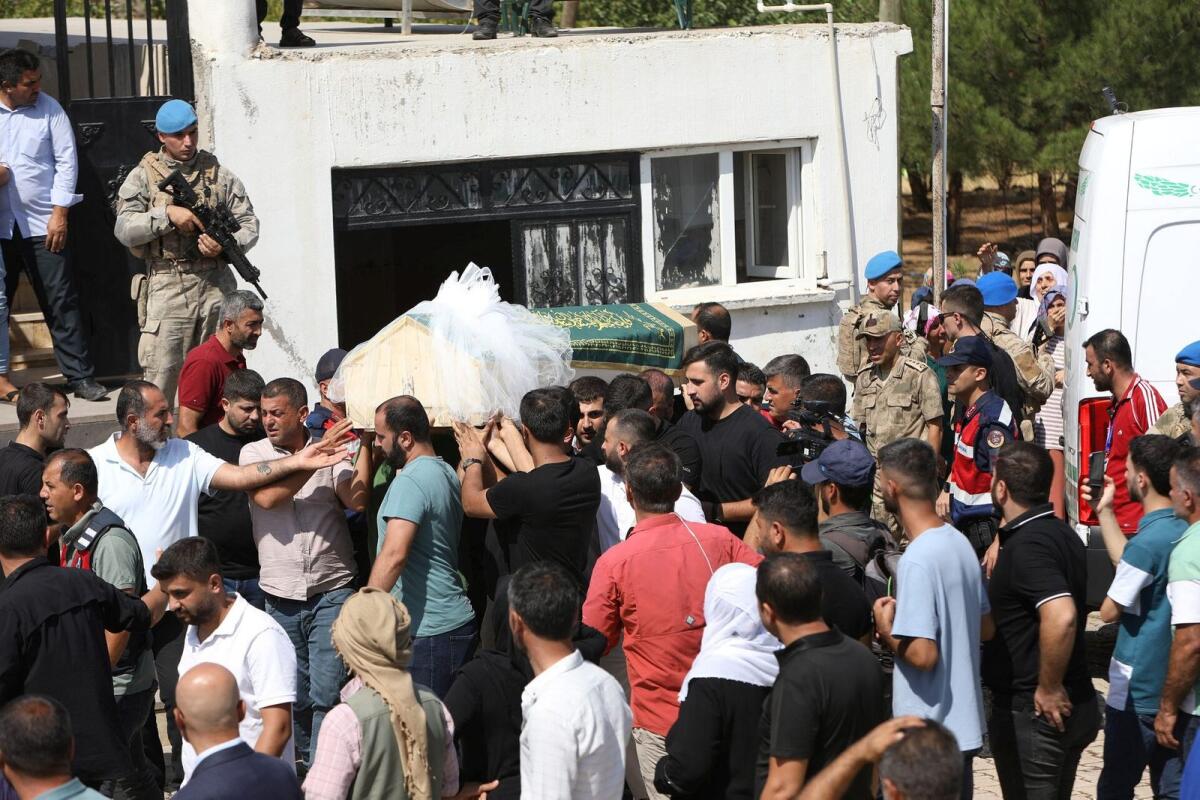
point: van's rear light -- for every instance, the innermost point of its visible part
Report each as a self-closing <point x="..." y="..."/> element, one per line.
<point x="1093" y="430"/>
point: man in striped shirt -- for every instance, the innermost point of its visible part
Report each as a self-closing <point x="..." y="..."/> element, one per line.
<point x="1136" y="407"/>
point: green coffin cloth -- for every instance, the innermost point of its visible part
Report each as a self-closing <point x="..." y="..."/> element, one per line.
<point x="637" y="335"/>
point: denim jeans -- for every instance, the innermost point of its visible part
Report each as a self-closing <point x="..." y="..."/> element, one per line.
<point x="320" y="672"/>
<point x="140" y="783"/>
<point x="437" y="658"/>
<point x="1033" y="759"/>
<point x="1130" y="746"/>
<point x="249" y="590"/>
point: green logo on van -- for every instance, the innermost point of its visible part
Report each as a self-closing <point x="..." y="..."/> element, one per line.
<point x="1161" y="187"/>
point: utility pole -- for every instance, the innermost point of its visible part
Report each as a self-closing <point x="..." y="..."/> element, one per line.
<point x="937" y="103"/>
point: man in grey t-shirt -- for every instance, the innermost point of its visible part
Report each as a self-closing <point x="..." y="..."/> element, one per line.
<point x="93" y="537"/>
<point x="940" y="612"/>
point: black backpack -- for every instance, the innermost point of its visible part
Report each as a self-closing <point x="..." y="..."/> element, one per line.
<point x="1004" y="381"/>
<point x="875" y="563"/>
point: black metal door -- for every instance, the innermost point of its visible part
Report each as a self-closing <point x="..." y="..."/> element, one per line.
<point x="119" y="85"/>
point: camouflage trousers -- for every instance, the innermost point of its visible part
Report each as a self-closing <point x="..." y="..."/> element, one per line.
<point x="880" y="514"/>
<point x="182" y="310"/>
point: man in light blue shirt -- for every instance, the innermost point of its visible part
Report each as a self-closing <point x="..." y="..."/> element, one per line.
<point x="420" y="521"/>
<point x="35" y="750"/>
<point x="941" y="611"/>
<point x="37" y="147"/>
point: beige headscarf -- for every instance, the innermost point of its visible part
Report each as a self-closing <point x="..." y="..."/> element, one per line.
<point x="372" y="636"/>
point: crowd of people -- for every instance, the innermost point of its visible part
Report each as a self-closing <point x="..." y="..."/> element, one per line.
<point x="734" y="582"/>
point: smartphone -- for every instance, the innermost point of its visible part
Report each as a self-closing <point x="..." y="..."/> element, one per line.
<point x="1096" y="475"/>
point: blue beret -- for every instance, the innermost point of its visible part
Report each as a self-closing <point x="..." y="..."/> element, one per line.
<point x="174" y="116"/>
<point x="1189" y="355"/>
<point x="881" y="264"/>
<point x="997" y="288"/>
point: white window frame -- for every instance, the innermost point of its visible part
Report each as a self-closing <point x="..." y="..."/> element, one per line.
<point x="800" y="274"/>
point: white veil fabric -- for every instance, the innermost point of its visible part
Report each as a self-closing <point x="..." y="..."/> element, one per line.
<point x="499" y="350"/>
<point x="735" y="645"/>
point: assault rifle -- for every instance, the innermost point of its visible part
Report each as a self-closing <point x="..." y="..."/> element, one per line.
<point x="218" y="223"/>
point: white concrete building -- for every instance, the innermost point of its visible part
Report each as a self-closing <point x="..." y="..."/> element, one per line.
<point x="598" y="167"/>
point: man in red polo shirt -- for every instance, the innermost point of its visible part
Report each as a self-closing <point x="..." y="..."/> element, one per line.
<point x="202" y="379"/>
<point x="1136" y="407"/>
<point x="662" y="620"/>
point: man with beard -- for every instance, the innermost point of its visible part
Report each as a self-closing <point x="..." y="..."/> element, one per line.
<point x="1176" y="421"/>
<point x="1136" y="406"/>
<point x="202" y="379"/>
<point x="223" y="517"/>
<point x="420" y="522"/>
<point x="154" y="483"/>
<point x="224" y="629"/>
<point x="626" y="430"/>
<point x="737" y="446"/>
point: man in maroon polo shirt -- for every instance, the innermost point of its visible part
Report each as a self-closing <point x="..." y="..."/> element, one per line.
<point x="202" y="379"/>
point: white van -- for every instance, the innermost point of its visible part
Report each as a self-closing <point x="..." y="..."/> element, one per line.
<point x="1134" y="266"/>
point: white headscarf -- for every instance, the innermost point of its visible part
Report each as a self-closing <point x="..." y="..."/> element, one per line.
<point x="1060" y="277"/>
<point x="735" y="644"/>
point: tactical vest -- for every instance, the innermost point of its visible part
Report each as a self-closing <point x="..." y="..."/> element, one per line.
<point x="381" y="772"/>
<point x="202" y="176"/>
<point x="79" y="556"/>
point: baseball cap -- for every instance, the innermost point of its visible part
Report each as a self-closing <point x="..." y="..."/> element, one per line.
<point x="997" y="288"/>
<point x="881" y="264"/>
<point x="328" y="363"/>
<point x="1189" y="355"/>
<point x="879" y="325"/>
<point x="174" y="116"/>
<point x="968" y="350"/>
<point x="847" y="462"/>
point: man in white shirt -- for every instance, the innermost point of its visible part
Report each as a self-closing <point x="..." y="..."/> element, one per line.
<point x="224" y="629"/>
<point x="615" y="517"/>
<point x="154" y="482"/>
<point x="37" y="146"/>
<point x="576" y="723"/>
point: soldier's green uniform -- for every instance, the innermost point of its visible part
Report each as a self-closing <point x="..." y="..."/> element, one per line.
<point x="852" y="353"/>
<point x="1035" y="374"/>
<point x="1174" y="422"/>
<point x="895" y="403"/>
<point x="180" y="295"/>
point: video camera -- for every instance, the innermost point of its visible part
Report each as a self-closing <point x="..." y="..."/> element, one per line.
<point x="806" y="443"/>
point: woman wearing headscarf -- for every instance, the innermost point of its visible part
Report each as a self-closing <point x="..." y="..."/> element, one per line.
<point x="1048" y="422"/>
<point x="388" y="739"/>
<point x="1045" y="277"/>
<point x="712" y="747"/>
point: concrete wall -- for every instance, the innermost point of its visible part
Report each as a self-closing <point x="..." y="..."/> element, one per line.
<point x="283" y="119"/>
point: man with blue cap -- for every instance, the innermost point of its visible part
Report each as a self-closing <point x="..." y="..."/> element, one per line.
<point x="179" y="296"/>
<point x="1176" y="421"/>
<point x="885" y="279"/>
<point x="1035" y="373"/>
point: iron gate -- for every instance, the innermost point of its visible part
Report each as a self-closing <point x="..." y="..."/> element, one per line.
<point x="111" y="82"/>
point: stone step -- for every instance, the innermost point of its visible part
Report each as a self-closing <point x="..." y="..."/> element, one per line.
<point x="28" y="331"/>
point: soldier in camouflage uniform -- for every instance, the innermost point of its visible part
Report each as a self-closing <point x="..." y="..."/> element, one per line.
<point x="179" y="296"/>
<point x="895" y="397"/>
<point x="1035" y="374"/>
<point x="1176" y="421"/>
<point x="885" y="279"/>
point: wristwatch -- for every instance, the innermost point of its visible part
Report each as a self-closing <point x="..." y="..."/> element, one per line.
<point x="468" y="462"/>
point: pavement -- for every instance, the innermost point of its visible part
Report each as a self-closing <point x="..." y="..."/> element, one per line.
<point x="1100" y="641"/>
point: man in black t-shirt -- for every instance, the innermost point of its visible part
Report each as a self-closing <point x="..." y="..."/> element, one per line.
<point x="547" y="513"/>
<point x="1044" y="708"/>
<point x="223" y="517"/>
<point x="42" y="414"/>
<point x="737" y="446"/>
<point x="829" y="692"/>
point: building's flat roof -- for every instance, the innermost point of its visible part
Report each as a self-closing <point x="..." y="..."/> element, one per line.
<point x="335" y="37"/>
